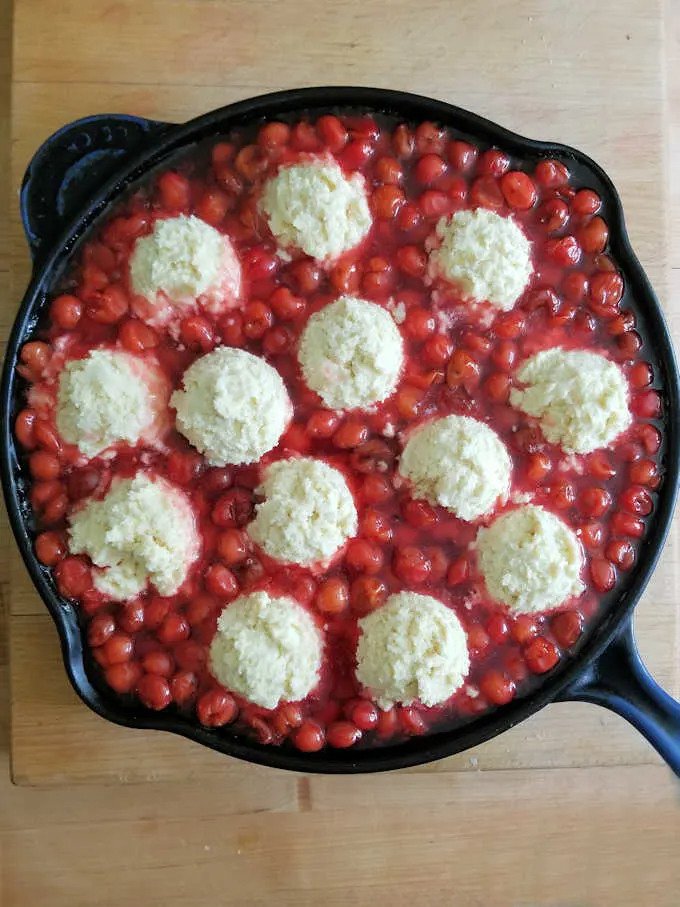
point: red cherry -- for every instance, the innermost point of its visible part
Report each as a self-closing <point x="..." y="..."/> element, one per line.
<point x="541" y="655"/>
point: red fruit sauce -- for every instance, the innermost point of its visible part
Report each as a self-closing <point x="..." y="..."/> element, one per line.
<point x="155" y="648"/>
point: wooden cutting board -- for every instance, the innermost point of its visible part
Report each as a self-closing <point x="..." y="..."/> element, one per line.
<point x="570" y="72"/>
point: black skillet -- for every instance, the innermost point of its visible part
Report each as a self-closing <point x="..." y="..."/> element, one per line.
<point x="71" y="182"/>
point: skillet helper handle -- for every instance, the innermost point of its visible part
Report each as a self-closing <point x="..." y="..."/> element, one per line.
<point x="70" y="166"/>
<point x="620" y="682"/>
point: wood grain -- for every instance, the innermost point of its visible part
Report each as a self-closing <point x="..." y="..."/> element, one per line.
<point x="501" y="838"/>
<point x="235" y="834"/>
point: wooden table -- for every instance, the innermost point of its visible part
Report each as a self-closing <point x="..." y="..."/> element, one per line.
<point x="570" y="808"/>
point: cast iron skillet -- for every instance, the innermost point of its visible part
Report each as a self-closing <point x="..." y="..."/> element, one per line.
<point x="71" y="181"/>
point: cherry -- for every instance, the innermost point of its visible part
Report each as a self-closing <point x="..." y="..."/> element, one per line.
<point x="118" y="647"/>
<point x="594" y="502"/>
<point x="461" y="155"/>
<point x="44" y="466"/>
<point x="602" y="574"/>
<point x="412" y="564"/>
<point x="109" y="306"/>
<point x="232" y="546"/>
<point x="386" y="201"/>
<point x="497" y="688"/>
<point x="637" y="501"/>
<point x="130" y="618"/>
<point x="627" y="525"/>
<point x="136" y="336"/>
<point x="518" y="189"/>
<point x="288" y="717"/>
<point x="565" y="252"/>
<point x="551" y="174"/>
<point x="646" y="405"/>
<point x="458" y="572"/>
<point x="363" y="557"/>
<point x="221" y="582"/>
<point x="419" y="513"/>
<point x="197" y="333"/>
<point x="323" y="423"/>
<point x="350" y="434"/>
<point x="644" y="472"/>
<point x="332" y="133"/>
<point x="174" y="190"/>
<point x="375" y="489"/>
<point x="123" y="677"/>
<point x="478" y="640"/>
<point x="50" y="548"/>
<point x="333" y="596"/>
<point x="523" y="628"/>
<point x="593" y="236"/>
<point x="566" y="627"/>
<point x="213" y="205"/>
<point x="24" y="428"/>
<point x="184" y="466"/>
<point x="553" y="215"/>
<point x="411" y="260"/>
<point x="364" y="715"/>
<point x="216" y="708"/>
<point x="154" y="692"/>
<point x="233" y="509"/>
<point x="73" y="577"/>
<point x="257" y="319"/>
<point x="101" y="627"/>
<point x="367" y="593"/>
<point x="309" y="737"/>
<point x="429" y="169"/>
<point x="412" y="721"/>
<point x="285" y="304"/>
<point x="497" y="628"/>
<point x="158" y="662"/>
<point x="175" y="626"/>
<point x="183" y="687"/>
<point x="621" y="553"/>
<point x="376" y="526"/>
<point x="541" y="655"/>
<point x="342" y="734"/>
<point x="585" y="202"/>
<point x="275" y="134"/>
<point x="66" y="311"/>
<point x="462" y="369"/>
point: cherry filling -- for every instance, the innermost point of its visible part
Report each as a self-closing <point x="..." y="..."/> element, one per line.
<point x="156" y="648"/>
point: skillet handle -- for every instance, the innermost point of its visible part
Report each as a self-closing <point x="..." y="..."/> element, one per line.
<point x="70" y="165"/>
<point x="619" y="681"/>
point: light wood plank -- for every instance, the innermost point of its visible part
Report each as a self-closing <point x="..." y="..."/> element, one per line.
<point x="606" y="838"/>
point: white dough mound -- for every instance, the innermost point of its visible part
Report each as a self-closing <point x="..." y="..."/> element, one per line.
<point x="181" y="260"/>
<point x="459" y="463"/>
<point x="487" y="256"/>
<point x="351" y="353"/>
<point x="107" y="397"/>
<point x="412" y="648"/>
<point x="531" y="560"/>
<point x="580" y="398"/>
<point x="316" y="208"/>
<point x="234" y="406"/>
<point x="308" y="513"/>
<point x="266" y="649"/>
<point x="142" y="531"/>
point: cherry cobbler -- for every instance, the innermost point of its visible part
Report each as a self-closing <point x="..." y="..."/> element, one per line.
<point x="339" y="430"/>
